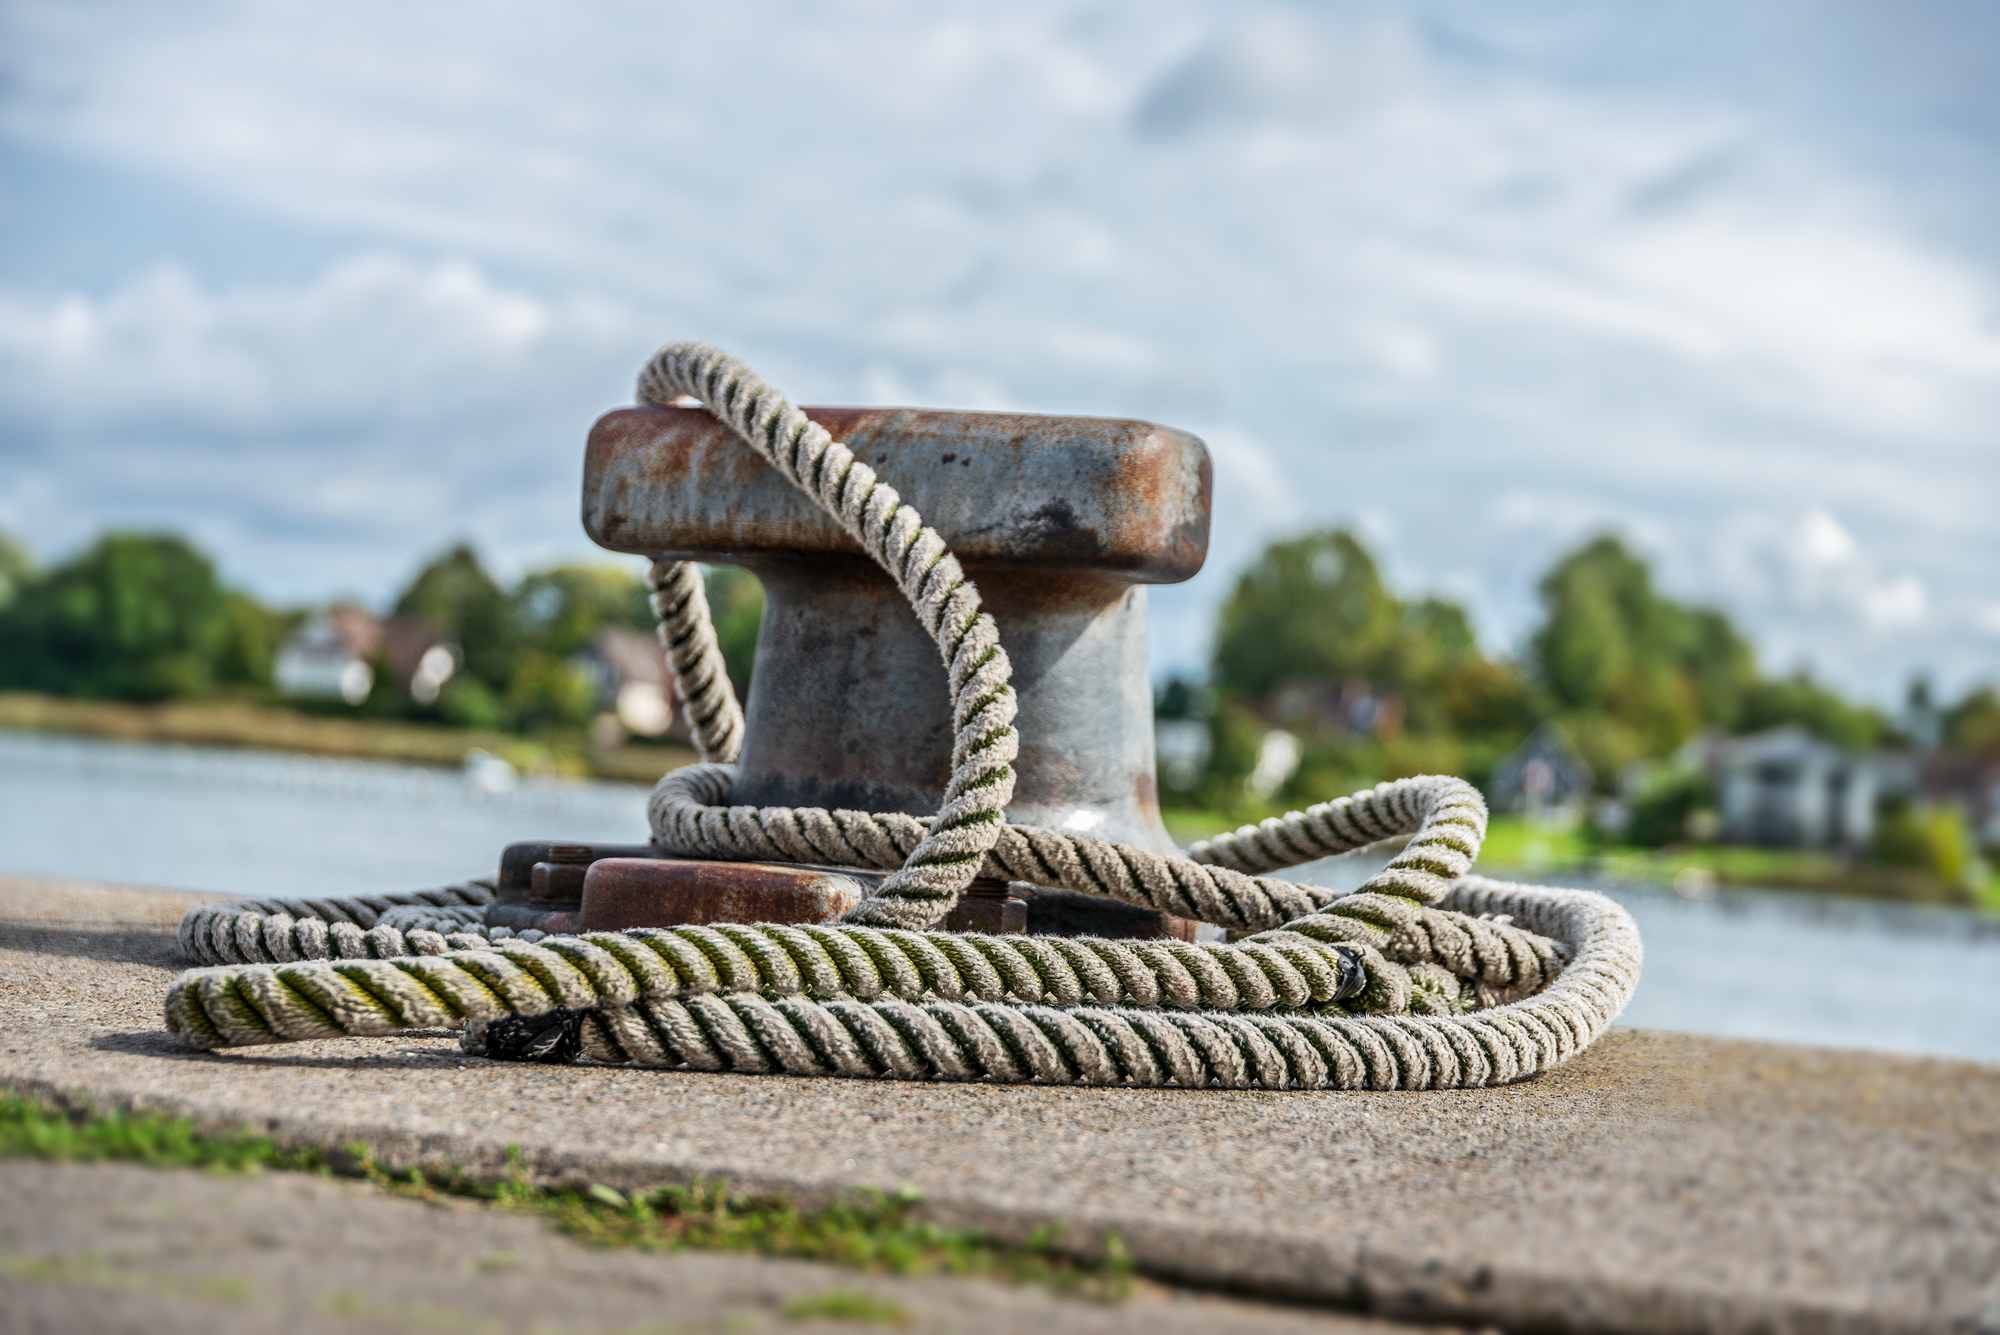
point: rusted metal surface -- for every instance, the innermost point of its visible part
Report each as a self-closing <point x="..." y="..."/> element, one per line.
<point x="641" y="883"/>
<point x="1065" y="493"/>
<point x="1060" y="522"/>
<point x="541" y="881"/>
<point x="620" y="893"/>
<point x="556" y="884"/>
<point x="988" y="906"/>
<point x="517" y="860"/>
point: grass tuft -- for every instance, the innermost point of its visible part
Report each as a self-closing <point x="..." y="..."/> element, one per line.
<point x="847" y="1305"/>
<point x="867" y="1229"/>
<point x="34" y="1131"/>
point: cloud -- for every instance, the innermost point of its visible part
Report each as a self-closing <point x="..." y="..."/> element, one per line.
<point x="1805" y="580"/>
<point x="323" y="435"/>
<point x="1809" y="566"/>
<point x="1434" y="268"/>
<point x="375" y="334"/>
<point x="1280" y="67"/>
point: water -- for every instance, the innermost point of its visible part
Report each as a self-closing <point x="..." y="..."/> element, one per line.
<point x="1792" y="968"/>
<point x="253" y="823"/>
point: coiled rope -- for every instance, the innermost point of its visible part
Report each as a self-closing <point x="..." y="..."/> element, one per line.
<point x="1426" y="977"/>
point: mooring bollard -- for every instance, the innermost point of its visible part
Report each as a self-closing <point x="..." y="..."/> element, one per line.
<point x="1069" y="519"/>
<point x="1060" y="521"/>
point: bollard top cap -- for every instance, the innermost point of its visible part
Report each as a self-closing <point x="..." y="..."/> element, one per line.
<point x="1125" y="499"/>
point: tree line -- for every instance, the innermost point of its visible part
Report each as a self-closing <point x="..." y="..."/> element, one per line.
<point x="145" y="617"/>
<point x="1626" y="672"/>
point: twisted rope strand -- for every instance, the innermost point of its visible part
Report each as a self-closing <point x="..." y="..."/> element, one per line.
<point x="1425" y="977"/>
<point x="927" y="880"/>
<point x="687" y="633"/>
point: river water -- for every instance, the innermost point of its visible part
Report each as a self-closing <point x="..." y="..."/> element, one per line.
<point x="1789" y="967"/>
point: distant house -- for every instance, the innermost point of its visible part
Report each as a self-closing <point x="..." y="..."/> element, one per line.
<point x="334" y="653"/>
<point x="634" y="682"/>
<point x="1542" y="776"/>
<point x="1788" y="788"/>
<point x="1970" y="781"/>
<point x="1353" y="707"/>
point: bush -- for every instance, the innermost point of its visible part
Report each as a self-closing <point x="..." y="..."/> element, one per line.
<point x="736" y="606"/>
<point x="468" y="702"/>
<point x="1933" y="840"/>
<point x="136" y="617"/>
<point x="551" y="692"/>
<point x="1661" y="812"/>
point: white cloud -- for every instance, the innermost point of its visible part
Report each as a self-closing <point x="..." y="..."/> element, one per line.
<point x="322" y="436"/>
<point x="1493" y="307"/>
<point x="1822" y="542"/>
<point x="376" y="335"/>
<point x="1278" y="67"/>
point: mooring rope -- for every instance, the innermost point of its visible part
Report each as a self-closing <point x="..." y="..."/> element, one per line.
<point x="1426" y="977"/>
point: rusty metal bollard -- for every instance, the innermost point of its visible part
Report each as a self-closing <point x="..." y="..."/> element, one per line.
<point x="1060" y="521"/>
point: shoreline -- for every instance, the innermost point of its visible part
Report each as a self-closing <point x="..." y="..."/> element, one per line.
<point x="251" y="726"/>
<point x="1516" y="848"/>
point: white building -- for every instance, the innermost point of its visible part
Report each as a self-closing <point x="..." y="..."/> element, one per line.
<point x="1543" y="777"/>
<point x="1788" y="788"/>
<point x="332" y="656"/>
<point x="634" y="682"/>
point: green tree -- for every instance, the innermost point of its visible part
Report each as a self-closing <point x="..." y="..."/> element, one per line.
<point x="736" y="606"/>
<point x="1434" y="642"/>
<point x="1482" y="698"/>
<point x="247" y="641"/>
<point x="1439" y="636"/>
<point x="456" y="595"/>
<point x="17" y="570"/>
<point x="551" y="691"/>
<point x="1314" y="607"/>
<point x="561" y="610"/>
<point x="1721" y="666"/>
<point x="1800" y="700"/>
<point x="1603" y="621"/>
<point x="137" y="616"/>
<point x="1633" y="672"/>
<point x="1973" y="724"/>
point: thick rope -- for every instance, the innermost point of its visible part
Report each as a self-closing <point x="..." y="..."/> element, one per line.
<point x="929" y="877"/>
<point x="1424" y="978"/>
<point x="687" y="633"/>
<point x="859" y="1001"/>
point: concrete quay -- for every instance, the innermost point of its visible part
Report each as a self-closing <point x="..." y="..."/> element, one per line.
<point x="1660" y="1182"/>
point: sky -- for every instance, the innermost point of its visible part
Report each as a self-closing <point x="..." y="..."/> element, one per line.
<point x="329" y="287"/>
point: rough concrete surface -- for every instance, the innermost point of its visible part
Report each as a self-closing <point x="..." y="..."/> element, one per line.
<point x="1659" y="1182"/>
<point x="112" y="1247"/>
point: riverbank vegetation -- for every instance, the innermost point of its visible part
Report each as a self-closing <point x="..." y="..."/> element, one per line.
<point x="137" y="638"/>
<point x="273" y="727"/>
<point x="1323" y="680"/>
